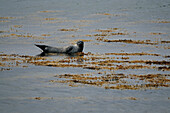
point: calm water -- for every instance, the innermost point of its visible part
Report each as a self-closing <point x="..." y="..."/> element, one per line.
<point x="26" y="22"/>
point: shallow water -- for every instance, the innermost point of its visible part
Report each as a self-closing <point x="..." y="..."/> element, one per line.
<point x="125" y="66"/>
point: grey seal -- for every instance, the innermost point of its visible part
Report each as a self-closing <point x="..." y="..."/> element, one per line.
<point x="78" y="47"/>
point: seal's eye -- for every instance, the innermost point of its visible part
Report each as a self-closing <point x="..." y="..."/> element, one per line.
<point x="80" y="43"/>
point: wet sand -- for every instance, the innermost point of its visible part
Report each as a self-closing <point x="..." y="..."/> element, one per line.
<point x="124" y="66"/>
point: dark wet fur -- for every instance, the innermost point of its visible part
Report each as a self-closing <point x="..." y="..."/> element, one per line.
<point x="69" y="50"/>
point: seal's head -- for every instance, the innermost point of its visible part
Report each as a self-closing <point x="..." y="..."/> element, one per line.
<point x="80" y="44"/>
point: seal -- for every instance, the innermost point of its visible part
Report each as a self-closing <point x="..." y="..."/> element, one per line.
<point x="78" y="47"/>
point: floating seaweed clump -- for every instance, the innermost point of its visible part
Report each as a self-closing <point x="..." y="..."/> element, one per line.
<point x="68" y="29"/>
<point x="156" y="33"/>
<point x="104" y="67"/>
<point x="131" y="41"/>
<point x="28" y="35"/>
<point x="163" y="21"/>
<point x="116" y="81"/>
<point x="105" y="33"/>
<point x="7" y="17"/>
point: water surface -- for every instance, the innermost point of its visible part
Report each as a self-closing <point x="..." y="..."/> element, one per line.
<point x="125" y="66"/>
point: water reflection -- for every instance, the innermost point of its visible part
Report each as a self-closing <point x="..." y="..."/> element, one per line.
<point x="78" y="57"/>
<point x="43" y="54"/>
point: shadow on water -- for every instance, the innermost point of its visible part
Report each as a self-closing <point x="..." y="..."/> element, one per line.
<point x="43" y="54"/>
<point x="77" y="56"/>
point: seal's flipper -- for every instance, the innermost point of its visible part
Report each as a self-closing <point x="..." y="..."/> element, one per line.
<point x="43" y="47"/>
<point x="68" y="49"/>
